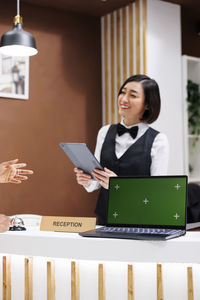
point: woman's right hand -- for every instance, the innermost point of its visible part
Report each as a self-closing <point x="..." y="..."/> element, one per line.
<point x="82" y="178"/>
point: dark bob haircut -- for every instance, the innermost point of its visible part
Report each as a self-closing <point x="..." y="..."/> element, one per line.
<point x="151" y="96"/>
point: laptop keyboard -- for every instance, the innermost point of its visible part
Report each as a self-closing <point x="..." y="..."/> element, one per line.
<point x="137" y="230"/>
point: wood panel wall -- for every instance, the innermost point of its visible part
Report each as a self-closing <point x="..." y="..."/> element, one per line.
<point x="123" y="53"/>
<point x="64" y="106"/>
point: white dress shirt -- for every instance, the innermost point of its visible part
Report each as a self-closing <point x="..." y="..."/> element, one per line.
<point x="159" y="150"/>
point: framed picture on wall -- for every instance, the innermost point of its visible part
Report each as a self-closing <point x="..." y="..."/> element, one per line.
<point x="14" y="77"/>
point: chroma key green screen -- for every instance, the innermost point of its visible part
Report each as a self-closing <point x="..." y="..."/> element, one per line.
<point x="147" y="201"/>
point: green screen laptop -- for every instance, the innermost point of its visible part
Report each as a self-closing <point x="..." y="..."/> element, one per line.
<point x="145" y="208"/>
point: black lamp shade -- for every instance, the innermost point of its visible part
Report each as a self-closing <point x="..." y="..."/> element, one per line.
<point x="15" y="38"/>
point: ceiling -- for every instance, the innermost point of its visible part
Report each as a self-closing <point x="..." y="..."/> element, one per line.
<point x="102" y="7"/>
<point x="89" y="7"/>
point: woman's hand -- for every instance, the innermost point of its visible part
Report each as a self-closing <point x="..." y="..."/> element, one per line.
<point x="11" y="172"/>
<point x="82" y="178"/>
<point x="103" y="176"/>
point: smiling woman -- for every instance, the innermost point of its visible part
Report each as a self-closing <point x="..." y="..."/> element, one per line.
<point x="132" y="147"/>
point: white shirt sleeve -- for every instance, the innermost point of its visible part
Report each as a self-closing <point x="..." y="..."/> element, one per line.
<point x="159" y="155"/>
<point x="94" y="185"/>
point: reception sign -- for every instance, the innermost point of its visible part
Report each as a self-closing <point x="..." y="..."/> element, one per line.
<point x="67" y="224"/>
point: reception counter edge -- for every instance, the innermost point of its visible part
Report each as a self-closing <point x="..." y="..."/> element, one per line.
<point x="184" y="249"/>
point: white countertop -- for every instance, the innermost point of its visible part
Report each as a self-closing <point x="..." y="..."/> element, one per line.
<point x="72" y="246"/>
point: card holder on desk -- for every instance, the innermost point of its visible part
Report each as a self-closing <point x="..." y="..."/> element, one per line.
<point x="67" y="224"/>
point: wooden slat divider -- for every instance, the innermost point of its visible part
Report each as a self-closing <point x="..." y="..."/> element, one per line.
<point x="106" y="69"/>
<point x="124" y="35"/>
<point x="75" y="285"/>
<point x="101" y="283"/>
<point x="50" y="280"/>
<point x="6" y="278"/>
<point x="144" y="26"/>
<point x="137" y="32"/>
<point x="28" y="278"/>
<point x="130" y="11"/>
<point x="159" y="282"/>
<point x="112" y="69"/>
<point x="190" y="284"/>
<point x="118" y="50"/>
<point x="130" y="283"/>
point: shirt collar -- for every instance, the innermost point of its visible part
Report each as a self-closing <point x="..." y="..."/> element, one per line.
<point x="140" y="125"/>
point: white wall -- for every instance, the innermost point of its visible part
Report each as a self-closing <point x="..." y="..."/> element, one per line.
<point x="164" y="65"/>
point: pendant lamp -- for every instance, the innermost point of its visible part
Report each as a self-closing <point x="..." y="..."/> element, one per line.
<point x="18" y="42"/>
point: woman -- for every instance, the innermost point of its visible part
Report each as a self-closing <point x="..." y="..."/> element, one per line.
<point x="130" y="148"/>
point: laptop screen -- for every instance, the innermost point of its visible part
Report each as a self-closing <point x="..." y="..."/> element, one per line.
<point x="148" y="201"/>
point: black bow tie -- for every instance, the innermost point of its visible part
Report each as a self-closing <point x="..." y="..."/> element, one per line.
<point x="132" y="131"/>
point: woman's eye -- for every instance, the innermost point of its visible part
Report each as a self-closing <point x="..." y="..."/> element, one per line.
<point x="132" y="95"/>
<point x="123" y="92"/>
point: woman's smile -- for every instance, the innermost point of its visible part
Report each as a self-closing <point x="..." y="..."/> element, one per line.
<point x="122" y="106"/>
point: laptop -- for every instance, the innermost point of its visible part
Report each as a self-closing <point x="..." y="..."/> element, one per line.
<point x="145" y="208"/>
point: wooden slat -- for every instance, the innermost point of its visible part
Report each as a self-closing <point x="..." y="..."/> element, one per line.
<point x="6" y="278"/>
<point x="50" y="280"/>
<point x="101" y="281"/>
<point x="28" y="278"/>
<point x="190" y="284"/>
<point x="130" y="283"/>
<point x="118" y="51"/>
<point x="137" y="32"/>
<point x="106" y="69"/>
<point x="144" y="29"/>
<point x="159" y="282"/>
<point x="113" y="100"/>
<point x="124" y="31"/>
<point x="118" y="55"/>
<point x="130" y="10"/>
<point x="75" y="286"/>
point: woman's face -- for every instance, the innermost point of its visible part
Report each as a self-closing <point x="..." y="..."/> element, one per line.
<point x="131" y="101"/>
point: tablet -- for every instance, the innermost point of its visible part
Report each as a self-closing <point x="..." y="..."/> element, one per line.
<point x="81" y="157"/>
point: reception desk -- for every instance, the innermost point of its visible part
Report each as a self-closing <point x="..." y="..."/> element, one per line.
<point x="185" y="249"/>
<point x="108" y="265"/>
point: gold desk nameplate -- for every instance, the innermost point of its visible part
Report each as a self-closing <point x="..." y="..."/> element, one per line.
<point x="67" y="224"/>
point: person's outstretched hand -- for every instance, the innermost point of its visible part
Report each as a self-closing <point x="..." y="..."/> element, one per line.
<point x="12" y="172"/>
<point x="103" y="176"/>
<point x="5" y="223"/>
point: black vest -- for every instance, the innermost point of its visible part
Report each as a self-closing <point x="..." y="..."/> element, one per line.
<point x="136" y="161"/>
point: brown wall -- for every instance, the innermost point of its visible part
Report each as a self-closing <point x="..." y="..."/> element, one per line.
<point x="190" y="38"/>
<point x="64" y="106"/>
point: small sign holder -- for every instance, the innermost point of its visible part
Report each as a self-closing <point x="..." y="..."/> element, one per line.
<point x="67" y="224"/>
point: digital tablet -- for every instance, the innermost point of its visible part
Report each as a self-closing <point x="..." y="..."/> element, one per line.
<point x="81" y="157"/>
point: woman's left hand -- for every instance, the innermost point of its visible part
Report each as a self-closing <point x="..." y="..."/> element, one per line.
<point x="103" y="176"/>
